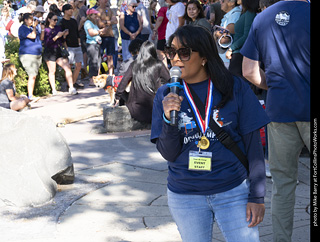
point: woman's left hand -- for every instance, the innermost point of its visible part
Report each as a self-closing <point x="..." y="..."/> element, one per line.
<point x="229" y="54"/>
<point x="65" y="33"/>
<point x="255" y="212"/>
<point x="59" y="34"/>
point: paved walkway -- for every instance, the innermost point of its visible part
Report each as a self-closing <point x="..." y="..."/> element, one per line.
<point x="119" y="192"/>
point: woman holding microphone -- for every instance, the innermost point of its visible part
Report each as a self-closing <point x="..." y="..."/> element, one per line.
<point x="206" y="180"/>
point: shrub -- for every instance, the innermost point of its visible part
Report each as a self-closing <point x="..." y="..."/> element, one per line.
<point x="42" y="86"/>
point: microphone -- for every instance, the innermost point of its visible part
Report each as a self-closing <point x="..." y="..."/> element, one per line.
<point x="175" y="74"/>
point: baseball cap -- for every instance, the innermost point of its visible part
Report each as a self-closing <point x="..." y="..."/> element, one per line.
<point x="92" y="11"/>
<point x="40" y="9"/>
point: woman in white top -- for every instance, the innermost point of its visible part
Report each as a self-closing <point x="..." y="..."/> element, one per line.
<point x="175" y="15"/>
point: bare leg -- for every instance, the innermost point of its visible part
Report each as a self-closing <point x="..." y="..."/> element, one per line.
<point x="85" y="60"/>
<point x="31" y="83"/>
<point x="110" y="64"/>
<point x="16" y="105"/>
<point x="52" y="71"/>
<point x="63" y="62"/>
<point x="76" y="72"/>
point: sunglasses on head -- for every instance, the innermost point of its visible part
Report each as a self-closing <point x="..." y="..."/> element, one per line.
<point x="184" y="54"/>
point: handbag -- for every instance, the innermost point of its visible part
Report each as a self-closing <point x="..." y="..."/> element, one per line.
<point x="64" y="51"/>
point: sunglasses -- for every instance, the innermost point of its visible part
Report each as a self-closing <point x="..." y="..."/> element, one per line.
<point x="134" y="6"/>
<point x="55" y="20"/>
<point x="184" y="54"/>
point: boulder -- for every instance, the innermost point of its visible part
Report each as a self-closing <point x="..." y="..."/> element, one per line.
<point x="34" y="156"/>
<point x="118" y="119"/>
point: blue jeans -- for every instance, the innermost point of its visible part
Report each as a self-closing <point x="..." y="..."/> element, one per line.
<point x="195" y="215"/>
<point x="125" y="49"/>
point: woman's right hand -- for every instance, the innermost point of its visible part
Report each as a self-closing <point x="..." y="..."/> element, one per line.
<point x="171" y="102"/>
<point x="116" y="104"/>
<point x="35" y="23"/>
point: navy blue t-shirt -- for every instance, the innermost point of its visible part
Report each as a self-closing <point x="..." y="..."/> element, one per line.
<point x="280" y="39"/>
<point x="29" y="46"/>
<point x="242" y="115"/>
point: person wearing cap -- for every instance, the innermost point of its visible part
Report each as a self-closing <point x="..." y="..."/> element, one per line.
<point x="73" y="41"/>
<point x="93" y="43"/>
<point x="38" y="12"/>
<point x="106" y="19"/>
<point x="131" y="26"/>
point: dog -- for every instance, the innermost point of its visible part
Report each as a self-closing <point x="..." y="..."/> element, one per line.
<point x="109" y="83"/>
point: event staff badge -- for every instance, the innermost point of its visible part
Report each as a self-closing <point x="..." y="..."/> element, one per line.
<point x="200" y="161"/>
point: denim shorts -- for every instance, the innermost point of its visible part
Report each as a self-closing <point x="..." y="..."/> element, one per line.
<point x="195" y="215"/>
<point x="75" y="55"/>
<point x="108" y="45"/>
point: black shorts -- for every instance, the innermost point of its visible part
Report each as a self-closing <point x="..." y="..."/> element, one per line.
<point x="5" y="105"/>
<point x="161" y="44"/>
<point x="108" y="45"/>
<point x="51" y="54"/>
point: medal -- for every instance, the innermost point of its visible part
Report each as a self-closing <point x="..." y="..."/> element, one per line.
<point x="203" y="143"/>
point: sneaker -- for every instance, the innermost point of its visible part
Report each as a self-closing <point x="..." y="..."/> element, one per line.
<point x="73" y="91"/>
<point x="34" y="99"/>
<point x="26" y="108"/>
<point x="78" y="85"/>
<point x="54" y="92"/>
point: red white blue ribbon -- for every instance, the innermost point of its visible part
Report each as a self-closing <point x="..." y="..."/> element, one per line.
<point x="203" y="124"/>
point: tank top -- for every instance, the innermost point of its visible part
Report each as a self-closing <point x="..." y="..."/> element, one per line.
<point x="131" y="22"/>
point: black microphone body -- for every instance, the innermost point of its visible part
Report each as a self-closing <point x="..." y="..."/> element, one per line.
<point x="175" y="73"/>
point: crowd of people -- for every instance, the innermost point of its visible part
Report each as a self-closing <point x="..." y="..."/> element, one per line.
<point x="228" y="51"/>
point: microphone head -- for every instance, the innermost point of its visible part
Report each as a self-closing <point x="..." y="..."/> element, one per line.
<point x="175" y="71"/>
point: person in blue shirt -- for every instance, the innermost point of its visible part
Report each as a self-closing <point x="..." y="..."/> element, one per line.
<point x="93" y="43"/>
<point x="280" y="39"/>
<point x="30" y="51"/>
<point x="204" y="185"/>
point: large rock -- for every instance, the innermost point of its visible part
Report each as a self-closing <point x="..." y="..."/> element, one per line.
<point x="34" y="156"/>
<point x="118" y="119"/>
